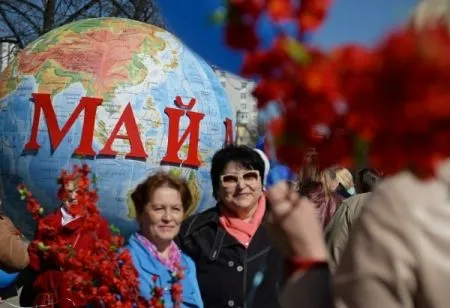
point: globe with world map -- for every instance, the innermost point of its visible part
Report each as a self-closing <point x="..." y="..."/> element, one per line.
<point x="133" y="85"/>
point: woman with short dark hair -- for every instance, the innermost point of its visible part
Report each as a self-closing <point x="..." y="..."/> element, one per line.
<point x="161" y="202"/>
<point x="237" y="264"/>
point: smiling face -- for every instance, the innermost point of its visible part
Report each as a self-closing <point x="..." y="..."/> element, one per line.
<point x="239" y="189"/>
<point x="162" y="216"/>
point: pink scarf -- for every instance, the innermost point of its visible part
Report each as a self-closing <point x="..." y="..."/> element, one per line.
<point x="174" y="252"/>
<point x="241" y="230"/>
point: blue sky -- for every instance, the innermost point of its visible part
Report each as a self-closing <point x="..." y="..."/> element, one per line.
<point x="362" y="21"/>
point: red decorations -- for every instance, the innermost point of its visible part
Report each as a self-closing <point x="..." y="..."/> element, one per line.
<point x="97" y="274"/>
<point x="175" y="142"/>
<point x="399" y="99"/>
<point x="242" y="16"/>
<point x="133" y="136"/>
<point x="176" y="291"/>
<point x="127" y="120"/>
<point x="228" y="131"/>
<point x="43" y="102"/>
<point x="179" y="103"/>
<point x="312" y="14"/>
<point x="388" y="105"/>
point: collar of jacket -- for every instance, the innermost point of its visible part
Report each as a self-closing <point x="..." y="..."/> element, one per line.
<point x="54" y="220"/>
<point x="146" y="260"/>
<point x="210" y="220"/>
<point x="211" y="216"/>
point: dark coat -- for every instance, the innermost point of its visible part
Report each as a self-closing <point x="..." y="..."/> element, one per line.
<point x="228" y="274"/>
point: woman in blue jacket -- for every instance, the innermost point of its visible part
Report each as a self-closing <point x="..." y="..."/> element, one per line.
<point x="165" y="273"/>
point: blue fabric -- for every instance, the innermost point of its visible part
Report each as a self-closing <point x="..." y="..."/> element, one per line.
<point x="148" y="266"/>
<point x="7" y="279"/>
<point x="279" y="173"/>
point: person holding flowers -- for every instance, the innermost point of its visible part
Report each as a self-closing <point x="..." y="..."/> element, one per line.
<point x="167" y="277"/>
<point x="71" y="229"/>
<point x="397" y="117"/>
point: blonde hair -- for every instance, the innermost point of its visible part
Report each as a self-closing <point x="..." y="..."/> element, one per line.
<point x="344" y="176"/>
<point x="429" y="12"/>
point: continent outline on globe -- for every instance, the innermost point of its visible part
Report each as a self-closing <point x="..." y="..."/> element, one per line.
<point x="159" y="70"/>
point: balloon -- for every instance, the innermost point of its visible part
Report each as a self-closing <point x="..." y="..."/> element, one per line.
<point x="191" y="22"/>
<point x="7" y="279"/>
<point x="148" y="85"/>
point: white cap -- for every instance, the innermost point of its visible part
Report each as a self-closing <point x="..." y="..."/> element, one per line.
<point x="266" y="164"/>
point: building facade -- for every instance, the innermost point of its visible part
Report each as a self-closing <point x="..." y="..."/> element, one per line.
<point x="239" y="92"/>
<point x="7" y="53"/>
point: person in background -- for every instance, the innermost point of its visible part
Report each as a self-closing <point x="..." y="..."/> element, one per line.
<point x="161" y="202"/>
<point x="341" y="224"/>
<point x="366" y="180"/>
<point x="320" y="188"/>
<point x="238" y="264"/>
<point x="345" y="188"/>
<point x="397" y="254"/>
<point x="13" y="248"/>
<point x="13" y="256"/>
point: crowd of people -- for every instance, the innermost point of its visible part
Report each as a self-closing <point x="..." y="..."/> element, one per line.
<point x="228" y="255"/>
<point x="322" y="239"/>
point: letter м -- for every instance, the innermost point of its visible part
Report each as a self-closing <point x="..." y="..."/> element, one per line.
<point x="42" y="102"/>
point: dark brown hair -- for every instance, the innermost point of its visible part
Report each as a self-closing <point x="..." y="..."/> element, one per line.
<point x="143" y="192"/>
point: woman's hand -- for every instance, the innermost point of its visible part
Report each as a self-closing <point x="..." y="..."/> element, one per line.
<point x="295" y="224"/>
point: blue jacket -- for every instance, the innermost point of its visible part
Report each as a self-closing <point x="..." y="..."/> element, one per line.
<point x="148" y="266"/>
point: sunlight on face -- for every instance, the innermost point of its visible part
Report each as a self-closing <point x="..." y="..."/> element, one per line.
<point x="162" y="216"/>
<point x="244" y="195"/>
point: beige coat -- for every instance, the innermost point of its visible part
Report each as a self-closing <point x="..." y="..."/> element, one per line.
<point x="338" y="230"/>
<point x="398" y="254"/>
<point x="13" y="249"/>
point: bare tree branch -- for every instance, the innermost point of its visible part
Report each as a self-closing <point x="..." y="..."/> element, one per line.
<point x="28" y="3"/>
<point x="75" y="15"/>
<point x="119" y="8"/>
<point x="13" y="29"/>
<point x="49" y="14"/>
<point x="8" y="40"/>
<point x="24" y="15"/>
<point x="22" y="21"/>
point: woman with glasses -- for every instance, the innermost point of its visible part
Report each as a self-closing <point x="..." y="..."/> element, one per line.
<point x="237" y="265"/>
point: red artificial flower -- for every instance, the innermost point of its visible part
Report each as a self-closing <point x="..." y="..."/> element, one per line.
<point x="98" y="275"/>
<point x="312" y="13"/>
<point x="241" y="36"/>
<point x="280" y="10"/>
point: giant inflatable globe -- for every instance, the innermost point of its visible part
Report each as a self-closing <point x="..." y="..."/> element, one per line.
<point x="125" y="97"/>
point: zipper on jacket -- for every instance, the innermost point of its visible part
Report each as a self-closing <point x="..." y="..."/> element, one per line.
<point x="245" y="281"/>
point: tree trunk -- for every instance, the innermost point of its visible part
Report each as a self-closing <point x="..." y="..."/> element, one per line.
<point x="49" y="14"/>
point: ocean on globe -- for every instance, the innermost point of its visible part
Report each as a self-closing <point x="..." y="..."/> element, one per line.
<point x="130" y="75"/>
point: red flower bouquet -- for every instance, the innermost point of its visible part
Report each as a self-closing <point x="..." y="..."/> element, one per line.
<point x="388" y="105"/>
<point x="99" y="274"/>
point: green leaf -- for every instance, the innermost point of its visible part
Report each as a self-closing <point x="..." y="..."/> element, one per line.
<point x="114" y="229"/>
<point x="219" y="16"/>
<point x="43" y="247"/>
<point x="297" y="51"/>
<point x="361" y="151"/>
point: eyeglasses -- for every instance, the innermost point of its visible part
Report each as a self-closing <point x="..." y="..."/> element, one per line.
<point x="231" y="180"/>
